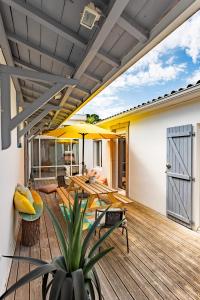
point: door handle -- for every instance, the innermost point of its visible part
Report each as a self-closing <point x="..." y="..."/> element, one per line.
<point x="168" y="165"/>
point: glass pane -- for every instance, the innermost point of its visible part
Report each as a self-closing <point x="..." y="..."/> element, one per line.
<point x="75" y="152"/>
<point x="60" y="154"/>
<point x="47" y="152"/>
<point x="68" y="145"/>
<point x="48" y="172"/>
<point x="61" y="171"/>
<point x="75" y="170"/>
<point x="35" y="152"/>
<point x="35" y="171"/>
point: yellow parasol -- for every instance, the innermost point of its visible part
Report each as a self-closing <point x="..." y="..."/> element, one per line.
<point x="84" y="131"/>
<point x="66" y="141"/>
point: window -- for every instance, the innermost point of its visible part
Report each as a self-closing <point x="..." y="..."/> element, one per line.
<point x="51" y="158"/>
<point x="97" y="153"/>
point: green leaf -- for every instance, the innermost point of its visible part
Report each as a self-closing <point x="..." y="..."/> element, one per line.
<point x="79" y="285"/>
<point x="97" y="282"/>
<point x="59" y="262"/>
<point x="33" y="261"/>
<point x="90" y="289"/>
<point x="89" y="265"/>
<point x="68" y="223"/>
<point x="47" y="268"/>
<point x="90" y="234"/>
<point x="57" y="283"/>
<point x="103" y="238"/>
<point x="59" y="233"/>
<point x="76" y="244"/>
<point x="67" y="289"/>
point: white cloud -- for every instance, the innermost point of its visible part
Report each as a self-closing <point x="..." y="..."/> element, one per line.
<point x="156" y="67"/>
<point x="194" y="77"/>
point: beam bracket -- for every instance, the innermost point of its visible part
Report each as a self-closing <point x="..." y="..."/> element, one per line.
<point x="7" y="122"/>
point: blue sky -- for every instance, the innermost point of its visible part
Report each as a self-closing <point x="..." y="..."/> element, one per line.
<point x="172" y="64"/>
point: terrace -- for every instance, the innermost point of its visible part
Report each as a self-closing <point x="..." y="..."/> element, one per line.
<point x="51" y="65"/>
<point x="163" y="262"/>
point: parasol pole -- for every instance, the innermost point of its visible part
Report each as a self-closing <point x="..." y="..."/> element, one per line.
<point x="83" y="151"/>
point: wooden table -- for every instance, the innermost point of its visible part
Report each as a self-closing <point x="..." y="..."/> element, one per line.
<point x="95" y="190"/>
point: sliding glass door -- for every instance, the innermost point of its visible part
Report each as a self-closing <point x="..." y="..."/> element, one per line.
<point x="51" y="158"/>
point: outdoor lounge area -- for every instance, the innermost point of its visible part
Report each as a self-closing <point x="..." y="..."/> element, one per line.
<point x="163" y="262"/>
<point x="99" y="150"/>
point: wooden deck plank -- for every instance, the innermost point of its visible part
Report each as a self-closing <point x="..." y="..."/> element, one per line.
<point x="163" y="263"/>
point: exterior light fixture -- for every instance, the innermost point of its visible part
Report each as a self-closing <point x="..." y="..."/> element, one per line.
<point x="90" y="15"/>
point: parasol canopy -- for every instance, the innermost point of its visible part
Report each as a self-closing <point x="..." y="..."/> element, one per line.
<point x="84" y="131"/>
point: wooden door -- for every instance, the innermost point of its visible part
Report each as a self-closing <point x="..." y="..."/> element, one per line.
<point x="179" y="173"/>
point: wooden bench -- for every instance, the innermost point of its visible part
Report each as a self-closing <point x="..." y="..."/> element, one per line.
<point x="123" y="199"/>
<point x="67" y="198"/>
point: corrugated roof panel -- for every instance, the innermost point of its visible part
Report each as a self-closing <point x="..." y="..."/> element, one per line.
<point x="35" y="3"/>
<point x="102" y="69"/>
<point x="149" y="20"/>
<point x="57" y="69"/>
<point x="6" y="16"/>
<point x="63" y="48"/>
<point x="134" y="7"/>
<point x="87" y="83"/>
<point x="125" y="43"/>
<point x="45" y="63"/>
<point x="112" y="38"/>
<point x="48" y="40"/>
<point x="76" y="55"/>
<point x="53" y="8"/>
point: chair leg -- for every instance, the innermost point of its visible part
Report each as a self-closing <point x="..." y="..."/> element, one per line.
<point x="127" y="242"/>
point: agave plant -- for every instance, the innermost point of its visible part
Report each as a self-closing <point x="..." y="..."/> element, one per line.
<point x="71" y="276"/>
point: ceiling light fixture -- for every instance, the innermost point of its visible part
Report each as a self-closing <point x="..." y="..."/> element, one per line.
<point x="90" y="15"/>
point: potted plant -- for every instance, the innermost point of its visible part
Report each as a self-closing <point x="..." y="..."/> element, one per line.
<point x="73" y="275"/>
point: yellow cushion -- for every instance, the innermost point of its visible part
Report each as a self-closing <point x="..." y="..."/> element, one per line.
<point x="22" y="204"/>
<point x="25" y="191"/>
<point x="36" y="197"/>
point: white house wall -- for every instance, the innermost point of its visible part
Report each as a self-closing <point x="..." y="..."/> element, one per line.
<point x="11" y="172"/>
<point x="147" y="157"/>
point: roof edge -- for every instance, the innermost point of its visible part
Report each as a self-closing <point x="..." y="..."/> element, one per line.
<point x="176" y="97"/>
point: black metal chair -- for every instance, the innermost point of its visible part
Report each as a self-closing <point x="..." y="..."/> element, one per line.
<point x="61" y="181"/>
<point x="111" y="218"/>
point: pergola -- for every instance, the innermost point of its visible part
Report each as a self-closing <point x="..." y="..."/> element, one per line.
<point x="58" y="66"/>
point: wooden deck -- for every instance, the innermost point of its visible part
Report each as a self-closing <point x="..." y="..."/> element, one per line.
<point x="163" y="263"/>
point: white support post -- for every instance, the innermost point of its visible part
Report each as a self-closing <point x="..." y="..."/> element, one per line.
<point x="5" y="111"/>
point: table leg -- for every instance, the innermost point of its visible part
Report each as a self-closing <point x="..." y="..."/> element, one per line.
<point x="91" y="200"/>
<point x="71" y="187"/>
<point x="113" y="200"/>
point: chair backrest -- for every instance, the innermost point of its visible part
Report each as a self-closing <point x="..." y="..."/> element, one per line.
<point x="113" y="217"/>
<point x="61" y="181"/>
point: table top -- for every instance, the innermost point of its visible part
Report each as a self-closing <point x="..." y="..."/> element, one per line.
<point x="92" y="188"/>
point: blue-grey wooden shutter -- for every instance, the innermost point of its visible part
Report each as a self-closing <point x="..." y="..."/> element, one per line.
<point x="179" y="173"/>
